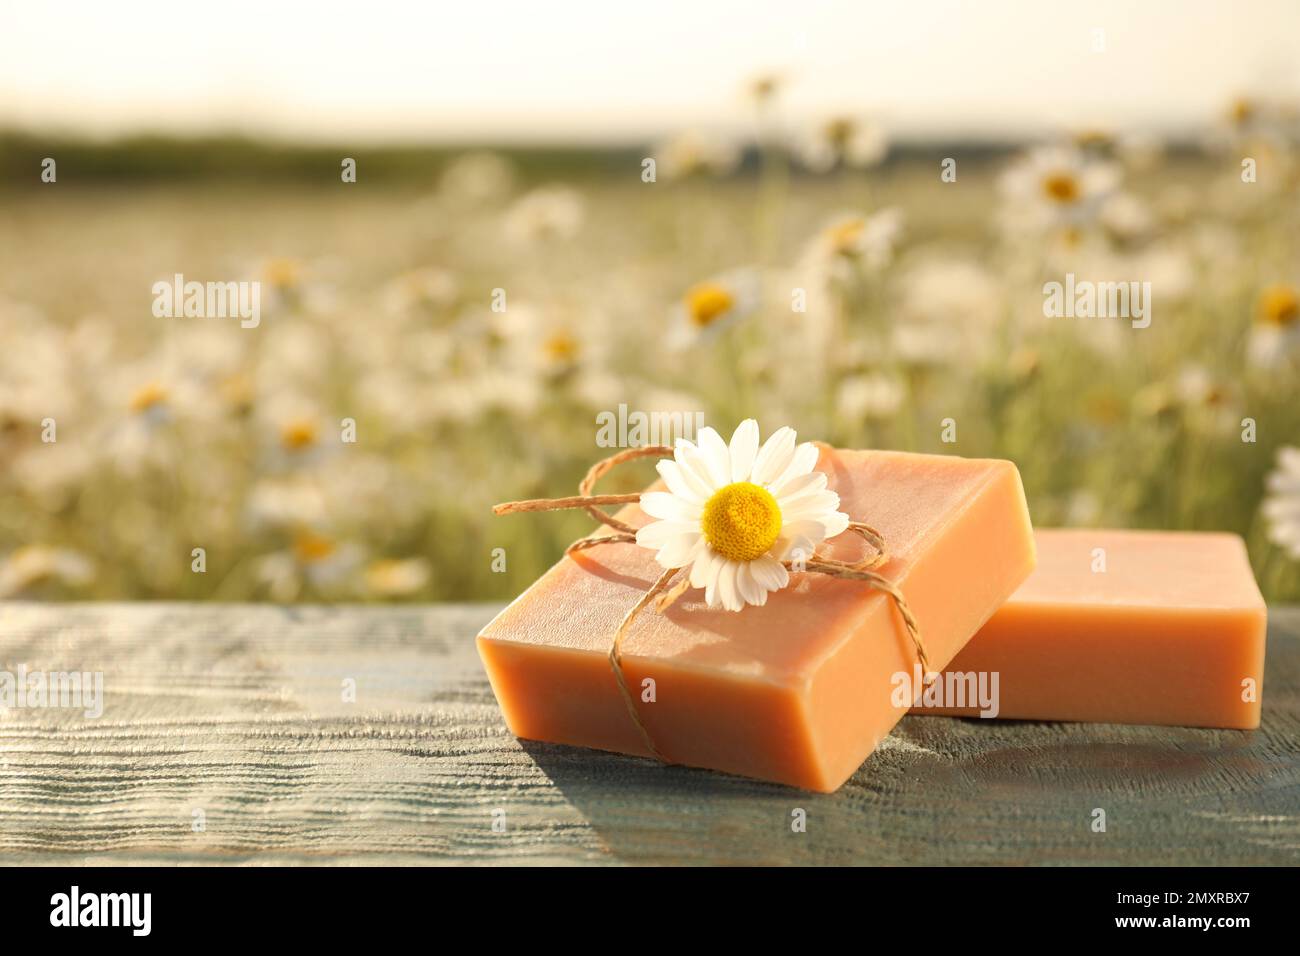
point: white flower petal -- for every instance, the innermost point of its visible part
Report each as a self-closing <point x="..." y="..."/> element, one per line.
<point x="751" y="592"/>
<point x="1280" y="508"/>
<point x="727" y="594"/>
<point x="802" y="463"/>
<point x="683" y="482"/>
<point x="792" y="488"/>
<point x="657" y="533"/>
<point x="804" y="535"/>
<point x="810" y="504"/>
<point x="744" y="448"/>
<point x="714" y="578"/>
<point x="680" y="550"/>
<point x="774" y="457"/>
<point x="769" y="573"/>
<point x="661" y="504"/>
<point x="691" y="459"/>
<point x="717" y="456"/>
<point x="837" y="522"/>
<point x="703" y="571"/>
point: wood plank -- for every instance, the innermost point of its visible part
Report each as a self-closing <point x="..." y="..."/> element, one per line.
<point x="238" y="711"/>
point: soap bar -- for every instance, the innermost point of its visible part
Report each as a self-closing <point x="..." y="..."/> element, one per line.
<point x="1130" y="627"/>
<point x="798" y="691"/>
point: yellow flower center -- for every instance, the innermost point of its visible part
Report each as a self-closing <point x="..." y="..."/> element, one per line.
<point x="561" y="348"/>
<point x="741" y="521"/>
<point x="282" y="274"/>
<point x="148" y="397"/>
<point x="33" y="564"/>
<point x="1061" y="187"/>
<point x="298" y="434"/>
<point x="708" y="302"/>
<point x="1279" y="305"/>
<point x="309" y="547"/>
<point x="839" y="132"/>
<point x="845" y="237"/>
<point x="1093" y="139"/>
<point x="384" y="572"/>
<point x="1216" y="395"/>
<point x="765" y="87"/>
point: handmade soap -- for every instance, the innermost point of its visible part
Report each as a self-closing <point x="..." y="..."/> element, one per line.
<point x="798" y="691"/>
<point x="1132" y="627"/>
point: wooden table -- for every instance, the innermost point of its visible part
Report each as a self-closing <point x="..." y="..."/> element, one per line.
<point x="226" y="738"/>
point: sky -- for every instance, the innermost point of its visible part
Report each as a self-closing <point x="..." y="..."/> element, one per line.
<point x="620" y="72"/>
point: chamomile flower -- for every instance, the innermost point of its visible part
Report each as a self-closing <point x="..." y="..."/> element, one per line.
<point x="855" y="240"/>
<point x="764" y="88"/>
<point x="1276" y="332"/>
<point x="547" y="214"/>
<point x="148" y="400"/>
<point x="691" y="154"/>
<point x="1210" y="402"/>
<point x="284" y="504"/>
<point x="1057" y="188"/>
<point x="421" y="292"/>
<point x="561" y="350"/>
<point x="34" y="565"/>
<point x="300" y="436"/>
<point x="293" y="285"/>
<point x="1095" y="141"/>
<point x="151" y="402"/>
<point x="294" y="433"/>
<point x="397" y="577"/>
<point x="733" y="513"/>
<point x="1281" y="506"/>
<point x="313" y="559"/>
<point x="844" y="142"/>
<point x="1126" y="218"/>
<point x="1251" y="121"/>
<point x="708" y="307"/>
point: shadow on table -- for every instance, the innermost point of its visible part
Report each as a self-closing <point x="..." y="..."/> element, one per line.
<point x="897" y="808"/>
<point x="950" y="790"/>
<point x="646" y="812"/>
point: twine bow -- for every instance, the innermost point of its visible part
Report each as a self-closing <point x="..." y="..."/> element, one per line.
<point x="663" y="592"/>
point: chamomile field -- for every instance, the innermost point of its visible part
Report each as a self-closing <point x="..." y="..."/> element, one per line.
<point x="430" y="343"/>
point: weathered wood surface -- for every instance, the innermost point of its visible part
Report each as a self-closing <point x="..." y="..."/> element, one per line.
<point x="238" y="711"/>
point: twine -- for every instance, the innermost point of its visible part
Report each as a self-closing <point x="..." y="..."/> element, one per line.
<point x="663" y="592"/>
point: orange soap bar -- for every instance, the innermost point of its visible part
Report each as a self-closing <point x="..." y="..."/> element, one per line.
<point x="1130" y="627"/>
<point x="797" y="691"/>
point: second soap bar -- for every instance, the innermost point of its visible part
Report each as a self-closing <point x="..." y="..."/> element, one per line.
<point x="1131" y="627"/>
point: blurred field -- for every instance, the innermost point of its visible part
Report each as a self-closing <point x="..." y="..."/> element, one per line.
<point x="183" y="433"/>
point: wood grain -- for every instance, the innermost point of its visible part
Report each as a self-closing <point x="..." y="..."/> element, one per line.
<point x="238" y="711"/>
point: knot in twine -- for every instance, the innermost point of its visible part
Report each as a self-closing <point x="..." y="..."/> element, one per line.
<point x="663" y="592"/>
